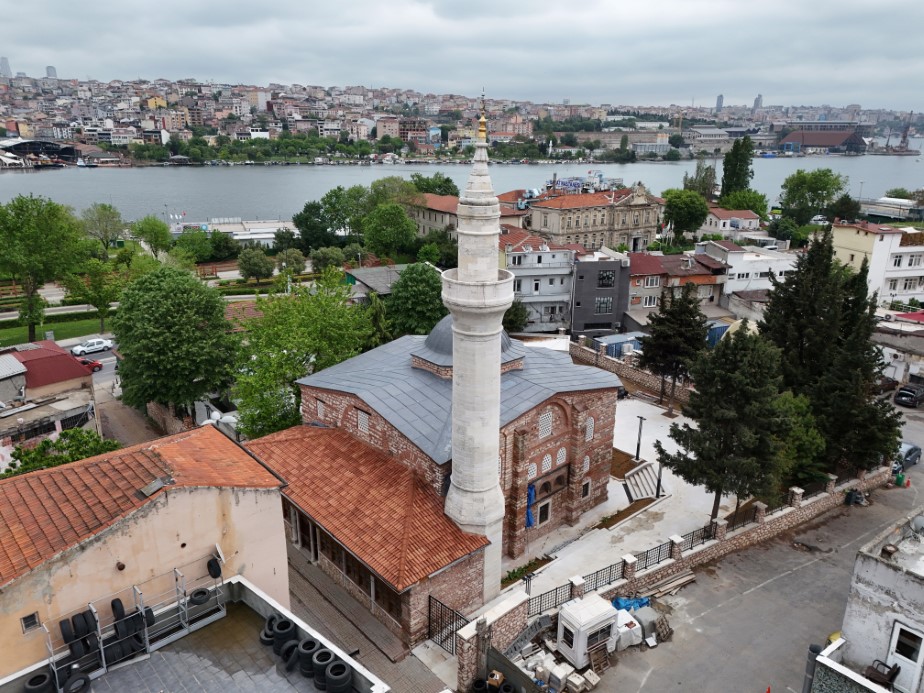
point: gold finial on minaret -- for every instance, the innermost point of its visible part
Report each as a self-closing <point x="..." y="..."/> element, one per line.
<point x="483" y="121"/>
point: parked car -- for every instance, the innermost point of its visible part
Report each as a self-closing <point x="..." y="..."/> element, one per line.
<point x="95" y="366"/>
<point x="92" y="345"/>
<point x="884" y="384"/>
<point x="908" y="455"/>
<point x="909" y="395"/>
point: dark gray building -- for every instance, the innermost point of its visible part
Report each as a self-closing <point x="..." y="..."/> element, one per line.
<point x="601" y="292"/>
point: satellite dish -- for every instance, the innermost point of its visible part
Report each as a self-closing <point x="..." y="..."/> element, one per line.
<point x="215" y="416"/>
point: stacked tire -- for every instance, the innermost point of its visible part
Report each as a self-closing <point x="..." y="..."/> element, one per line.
<point x="339" y="677"/>
<point x="306" y="650"/>
<point x="283" y="632"/>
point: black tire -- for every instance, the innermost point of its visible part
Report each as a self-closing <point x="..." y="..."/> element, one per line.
<point x="79" y="622"/>
<point x="149" y="618"/>
<point x="92" y="642"/>
<point x="506" y="687"/>
<point x="319" y="662"/>
<point x="290" y="655"/>
<point x="287" y="648"/>
<point x="307" y="670"/>
<point x="306" y="649"/>
<point x="283" y="632"/>
<point x="118" y="611"/>
<point x="90" y="618"/>
<point x="266" y="638"/>
<point x="76" y="683"/>
<point x="39" y="683"/>
<point x="97" y="369"/>
<point x="199" y="596"/>
<point x="78" y="649"/>
<point x="106" y="348"/>
<point x="137" y="642"/>
<point x="123" y="629"/>
<point x="270" y="622"/>
<point x="67" y="631"/>
<point x="214" y="568"/>
<point x="339" y="677"/>
<point x="479" y="686"/>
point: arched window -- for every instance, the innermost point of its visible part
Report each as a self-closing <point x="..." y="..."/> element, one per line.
<point x="545" y="424"/>
<point x="590" y="428"/>
<point x="561" y="456"/>
<point x="546" y="488"/>
<point x="546" y="464"/>
<point x="560" y="480"/>
<point x="531" y="471"/>
<point x="585" y="465"/>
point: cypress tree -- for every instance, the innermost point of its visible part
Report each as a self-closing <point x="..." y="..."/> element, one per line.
<point x="736" y="166"/>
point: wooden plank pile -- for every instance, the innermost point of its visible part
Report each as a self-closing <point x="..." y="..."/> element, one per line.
<point x="671" y="585"/>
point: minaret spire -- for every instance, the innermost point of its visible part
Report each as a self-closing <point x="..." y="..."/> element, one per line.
<point x="477" y="294"/>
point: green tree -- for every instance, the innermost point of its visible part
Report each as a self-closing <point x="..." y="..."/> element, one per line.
<point x="291" y="260"/>
<point x="313" y="229"/>
<point x="736" y="166"/>
<point x="677" y="335"/>
<point x="429" y="252"/>
<point x="702" y="180"/>
<point x="672" y="155"/>
<point x="416" y="303"/>
<point x="736" y="443"/>
<point x="285" y="238"/>
<point x="311" y="329"/>
<point x="675" y="140"/>
<point x="322" y="258"/>
<point x="253" y="263"/>
<point x="377" y="312"/>
<point x="844" y="208"/>
<point x="746" y="199"/>
<point x="196" y="243"/>
<point x="388" y="229"/>
<point x="806" y="193"/>
<point x="174" y="340"/>
<point x="99" y="285"/>
<point x="103" y="222"/>
<point x="438" y="184"/>
<point x="516" y="316"/>
<point x="392" y="189"/>
<point x="154" y="232"/>
<point x="343" y="209"/>
<point x="40" y="241"/>
<point x="686" y="210"/>
<point x="354" y="253"/>
<point x="71" y="445"/>
<point x="449" y="248"/>
<point x="224" y="246"/>
<point x="900" y="193"/>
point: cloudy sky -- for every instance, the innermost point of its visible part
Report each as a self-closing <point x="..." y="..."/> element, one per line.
<point x="657" y="52"/>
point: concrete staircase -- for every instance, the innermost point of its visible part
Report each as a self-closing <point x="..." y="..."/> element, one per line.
<point x="642" y="482"/>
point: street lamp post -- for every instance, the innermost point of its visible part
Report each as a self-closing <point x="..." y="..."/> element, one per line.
<point x="638" y="445"/>
<point x="861" y="192"/>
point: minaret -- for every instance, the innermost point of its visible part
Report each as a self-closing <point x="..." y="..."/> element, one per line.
<point x="477" y="294"/>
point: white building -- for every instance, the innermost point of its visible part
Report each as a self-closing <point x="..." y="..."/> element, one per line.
<point x="542" y="277"/>
<point x="895" y="257"/>
<point x="749" y="267"/>
<point x="731" y="223"/>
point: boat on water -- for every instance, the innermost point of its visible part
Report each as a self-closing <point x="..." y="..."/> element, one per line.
<point x="81" y="163"/>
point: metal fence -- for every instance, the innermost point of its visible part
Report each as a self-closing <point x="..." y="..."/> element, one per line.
<point x="653" y="556"/>
<point x="741" y="518"/>
<point x="549" y="600"/>
<point x="604" y="576"/>
<point x="443" y="622"/>
<point x="816" y="488"/>
<point x="844" y="475"/>
<point x="697" y="537"/>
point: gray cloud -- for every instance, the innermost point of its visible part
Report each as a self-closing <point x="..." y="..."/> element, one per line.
<point x="659" y="52"/>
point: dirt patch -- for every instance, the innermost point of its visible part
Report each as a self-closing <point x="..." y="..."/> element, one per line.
<point x="610" y="520"/>
<point x="623" y="463"/>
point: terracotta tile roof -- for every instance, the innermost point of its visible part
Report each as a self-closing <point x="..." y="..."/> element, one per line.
<point x="48" y="363"/>
<point x="726" y="214"/>
<point x="644" y="263"/>
<point x="46" y="512"/>
<point x="377" y="508"/>
<point x="728" y="245"/>
<point x="581" y="200"/>
<point x="448" y="204"/>
<point x="866" y="226"/>
<point x="509" y="212"/>
<point x="518" y="238"/>
<point x="239" y="312"/>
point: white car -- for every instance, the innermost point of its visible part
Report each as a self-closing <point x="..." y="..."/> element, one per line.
<point x="91" y="345"/>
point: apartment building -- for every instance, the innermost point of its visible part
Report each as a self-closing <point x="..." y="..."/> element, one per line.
<point x="895" y="257"/>
<point x="601" y="292"/>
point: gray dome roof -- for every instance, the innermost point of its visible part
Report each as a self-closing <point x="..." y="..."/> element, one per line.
<point x="437" y="347"/>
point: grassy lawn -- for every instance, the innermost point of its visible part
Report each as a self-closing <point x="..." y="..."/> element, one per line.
<point x="62" y="330"/>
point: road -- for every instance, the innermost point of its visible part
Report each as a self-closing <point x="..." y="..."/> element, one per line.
<point x="747" y="621"/>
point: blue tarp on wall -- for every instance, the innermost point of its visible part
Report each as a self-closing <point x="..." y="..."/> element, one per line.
<point x="530" y="499"/>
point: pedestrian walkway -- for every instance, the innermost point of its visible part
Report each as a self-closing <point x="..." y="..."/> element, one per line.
<point x="336" y="615"/>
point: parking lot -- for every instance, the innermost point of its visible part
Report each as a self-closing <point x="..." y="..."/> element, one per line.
<point x="747" y="621"/>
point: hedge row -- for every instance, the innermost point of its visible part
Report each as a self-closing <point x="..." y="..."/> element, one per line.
<point x="57" y="317"/>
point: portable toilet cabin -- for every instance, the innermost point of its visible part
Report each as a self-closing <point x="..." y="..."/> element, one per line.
<point x="617" y="344"/>
<point x="584" y="624"/>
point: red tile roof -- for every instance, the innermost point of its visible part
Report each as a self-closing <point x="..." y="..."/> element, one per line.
<point x="518" y="238"/>
<point x="48" y="364"/>
<point x="377" y="508"/>
<point x="727" y="214"/>
<point x="729" y="245"/>
<point x="581" y="200"/>
<point x="644" y="264"/>
<point x="46" y="512"/>
<point x="448" y="204"/>
<point x="866" y="226"/>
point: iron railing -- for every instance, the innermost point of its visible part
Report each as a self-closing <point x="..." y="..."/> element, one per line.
<point x="816" y="488"/>
<point x="697" y="537"/>
<point x="653" y="556"/>
<point x="442" y="624"/>
<point x="549" y="600"/>
<point x="604" y="576"/>
<point x="742" y="518"/>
